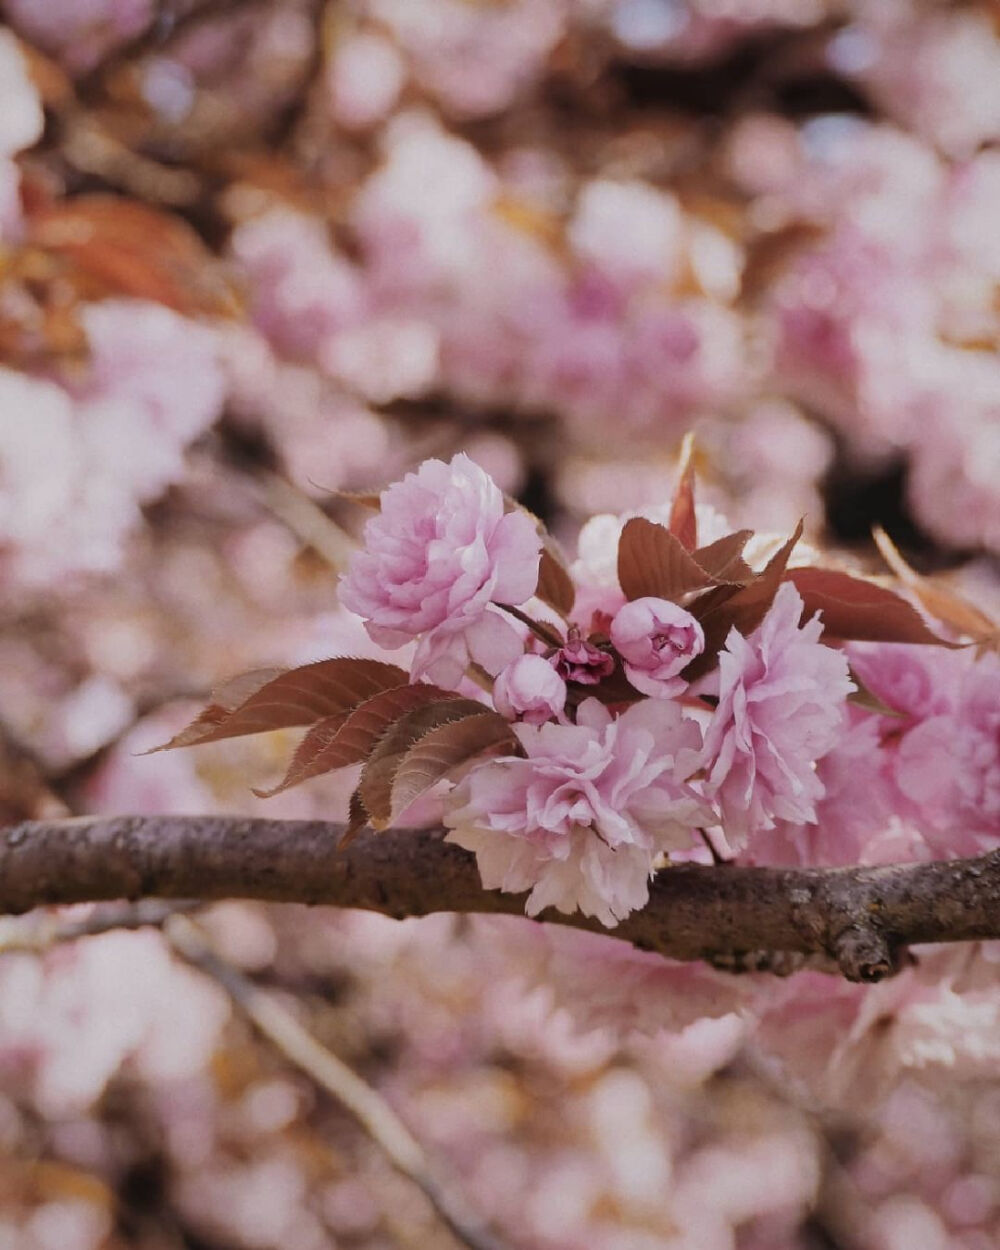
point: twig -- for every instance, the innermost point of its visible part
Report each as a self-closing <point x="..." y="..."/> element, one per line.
<point x="367" y="1106"/>
<point x="304" y="518"/>
<point x="861" y="917"/>
<point x="42" y="930"/>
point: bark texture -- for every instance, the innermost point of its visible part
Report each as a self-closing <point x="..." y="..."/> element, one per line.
<point x="861" y="918"/>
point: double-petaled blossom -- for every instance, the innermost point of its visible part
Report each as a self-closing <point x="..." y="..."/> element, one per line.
<point x="529" y="689"/>
<point x="781" y="709"/>
<point x="656" y="640"/>
<point x="942" y="746"/>
<point x="439" y="555"/>
<point x="580" y="820"/>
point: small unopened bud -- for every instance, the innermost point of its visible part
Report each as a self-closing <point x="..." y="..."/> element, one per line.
<point x="580" y="661"/>
<point x="656" y="640"/>
<point x="531" y="690"/>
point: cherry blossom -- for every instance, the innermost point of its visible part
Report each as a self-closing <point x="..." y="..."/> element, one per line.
<point x="581" y="820"/>
<point x="781" y="707"/>
<point x="441" y="552"/>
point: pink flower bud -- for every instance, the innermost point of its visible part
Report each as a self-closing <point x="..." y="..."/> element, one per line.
<point x="581" y="661"/>
<point x="529" y="689"/>
<point x="656" y="640"/>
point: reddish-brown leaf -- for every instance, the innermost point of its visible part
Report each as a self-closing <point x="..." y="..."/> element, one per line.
<point x="341" y="740"/>
<point x="683" y="519"/>
<point x="357" y="818"/>
<point x="651" y="561"/>
<point x="723" y="559"/>
<point x="555" y="586"/>
<point x="116" y="246"/>
<point x="375" y="786"/>
<point x="744" y="607"/>
<point x="272" y="699"/>
<point x="858" y="610"/>
<point x="444" y="749"/>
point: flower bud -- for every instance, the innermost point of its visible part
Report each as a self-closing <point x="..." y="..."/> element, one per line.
<point x="656" y="640"/>
<point x="531" y="690"/>
<point x="581" y="661"/>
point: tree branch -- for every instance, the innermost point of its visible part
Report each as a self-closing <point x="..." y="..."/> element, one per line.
<point x="862" y="918"/>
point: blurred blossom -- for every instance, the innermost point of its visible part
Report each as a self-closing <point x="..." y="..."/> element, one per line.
<point x="364" y="79"/>
<point x="81" y="32"/>
<point x="21" y="123"/>
<point x="474" y="58"/>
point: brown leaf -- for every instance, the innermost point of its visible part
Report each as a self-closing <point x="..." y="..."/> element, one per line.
<point x="357" y="818"/>
<point x="723" y="559"/>
<point x="379" y="772"/>
<point x="743" y="607"/>
<point x="683" y="520"/>
<point x="272" y="699"/>
<point x="941" y="602"/>
<point x="555" y="586"/>
<point x="349" y="738"/>
<point x="858" y="610"/>
<point x="652" y="561"/>
<point x="444" y="749"/>
<point x="115" y="246"/>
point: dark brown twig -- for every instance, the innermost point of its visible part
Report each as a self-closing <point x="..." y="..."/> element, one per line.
<point x="861" y="917"/>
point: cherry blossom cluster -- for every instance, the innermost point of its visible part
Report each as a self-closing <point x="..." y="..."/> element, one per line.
<point x="720" y="711"/>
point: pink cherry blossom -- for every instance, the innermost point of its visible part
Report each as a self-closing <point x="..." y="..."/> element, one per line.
<point x="531" y="690"/>
<point x="855" y="814"/>
<point x="948" y="767"/>
<point x="656" y="639"/>
<point x="439" y="554"/>
<point x="781" y="707"/>
<point x="581" y="821"/>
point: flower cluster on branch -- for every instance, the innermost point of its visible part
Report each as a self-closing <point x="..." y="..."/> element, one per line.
<point x="691" y="696"/>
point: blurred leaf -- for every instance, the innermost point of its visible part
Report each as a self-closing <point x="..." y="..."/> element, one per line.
<point x="115" y="246"/>
<point x="683" y="520"/>
<point x="868" y="699"/>
<point x="364" y="498"/>
<point x="943" y="604"/>
<point x="271" y="699"/>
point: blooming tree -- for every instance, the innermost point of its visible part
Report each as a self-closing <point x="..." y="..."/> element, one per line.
<point x="523" y="247"/>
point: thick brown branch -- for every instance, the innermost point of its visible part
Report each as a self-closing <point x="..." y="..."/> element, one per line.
<point x="860" y="917"/>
